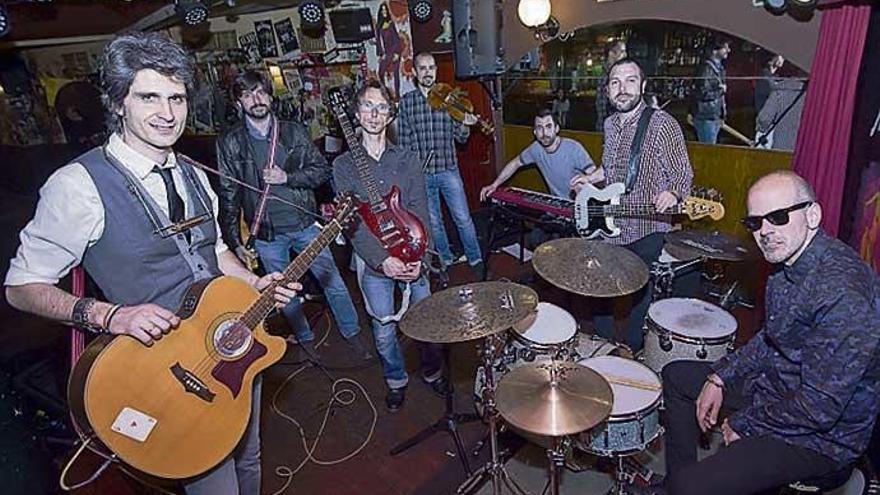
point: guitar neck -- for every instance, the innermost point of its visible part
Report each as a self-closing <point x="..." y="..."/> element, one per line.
<point x="632" y="209"/>
<point x="360" y="158"/>
<point x="260" y="309"/>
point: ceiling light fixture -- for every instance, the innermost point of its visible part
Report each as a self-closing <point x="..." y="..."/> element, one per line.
<point x="533" y="13"/>
<point x="422" y="11"/>
<point x="191" y="12"/>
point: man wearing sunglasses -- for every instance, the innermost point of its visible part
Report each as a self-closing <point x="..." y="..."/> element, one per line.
<point x="799" y="399"/>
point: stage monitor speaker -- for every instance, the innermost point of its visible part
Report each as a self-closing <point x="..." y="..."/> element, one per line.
<point x="352" y="25"/>
<point x="476" y="44"/>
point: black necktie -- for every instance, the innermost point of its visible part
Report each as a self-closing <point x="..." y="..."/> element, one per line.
<point x="175" y="204"/>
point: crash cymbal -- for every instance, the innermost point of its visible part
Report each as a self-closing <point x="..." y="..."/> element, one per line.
<point x="468" y="312"/>
<point x="691" y="244"/>
<point x="553" y="398"/>
<point x="590" y="268"/>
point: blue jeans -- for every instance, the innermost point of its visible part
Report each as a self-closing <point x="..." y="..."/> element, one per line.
<point x="275" y="256"/>
<point x="707" y="130"/>
<point x="378" y="291"/>
<point x="239" y="474"/>
<point x="448" y="183"/>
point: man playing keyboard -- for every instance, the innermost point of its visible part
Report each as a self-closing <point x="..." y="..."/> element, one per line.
<point x="559" y="159"/>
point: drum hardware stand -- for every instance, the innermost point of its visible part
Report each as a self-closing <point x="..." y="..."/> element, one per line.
<point x="731" y="297"/>
<point x="556" y="456"/>
<point x="448" y="422"/>
<point x="494" y="469"/>
<point x="664" y="273"/>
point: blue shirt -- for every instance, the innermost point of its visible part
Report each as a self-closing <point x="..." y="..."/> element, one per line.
<point x="813" y="372"/>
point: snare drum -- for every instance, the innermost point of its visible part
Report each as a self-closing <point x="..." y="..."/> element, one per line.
<point x="635" y="416"/>
<point x="687" y="329"/>
<point x="550" y="333"/>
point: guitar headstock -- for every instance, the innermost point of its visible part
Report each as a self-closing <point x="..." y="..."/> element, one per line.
<point x="346" y="205"/>
<point x="336" y="101"/>
<point x="703" y="203"/>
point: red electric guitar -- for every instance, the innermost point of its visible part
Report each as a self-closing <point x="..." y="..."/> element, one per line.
<point x="400" y="232"/>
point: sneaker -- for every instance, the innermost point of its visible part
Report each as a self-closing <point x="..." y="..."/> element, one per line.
<point x="394" y="398"/>
<point x="359" y="348"/>
<point x="440" y="386"/>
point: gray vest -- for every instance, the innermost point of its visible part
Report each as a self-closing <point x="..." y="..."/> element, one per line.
<point x="134" y="264"/>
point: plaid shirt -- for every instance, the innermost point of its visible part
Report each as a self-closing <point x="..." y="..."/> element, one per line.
<point x="423" y="129"/>
<point x="664" y="166"/>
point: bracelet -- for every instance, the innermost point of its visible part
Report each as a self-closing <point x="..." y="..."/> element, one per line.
<point x="108" y="317"/>
<point x="80" y="317"/>
<point x="715" y="381"/>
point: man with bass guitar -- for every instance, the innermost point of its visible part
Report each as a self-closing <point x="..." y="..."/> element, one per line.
<point x="142" y="221"/>
<point x="655" y="169"/>
<point x="386" y="165"/>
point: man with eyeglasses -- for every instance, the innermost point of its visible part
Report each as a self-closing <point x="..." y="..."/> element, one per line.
<point x="262" y="150"/>
<point x="378" y="272"/>
<point x="800" y="398"/>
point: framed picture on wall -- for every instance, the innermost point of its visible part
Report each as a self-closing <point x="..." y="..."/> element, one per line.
<point x="286" y="37"/>
<point x="266" y="39"/>
<point x="248" y="43"/>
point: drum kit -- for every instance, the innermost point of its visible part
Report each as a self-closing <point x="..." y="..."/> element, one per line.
<point x="541" y="378"/>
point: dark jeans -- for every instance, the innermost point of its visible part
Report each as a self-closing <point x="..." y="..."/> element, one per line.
<point x="749" y="465"/>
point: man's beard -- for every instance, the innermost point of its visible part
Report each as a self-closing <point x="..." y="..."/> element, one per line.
<point x="258" y="112"/>
<point x="426" y="82"/>
<point x="623" y="107"/>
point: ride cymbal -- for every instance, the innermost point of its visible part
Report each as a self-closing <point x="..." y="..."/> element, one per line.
<point x="590" y="268"/>
<point x="691" y="244"/>
<point x="468" y="312"/>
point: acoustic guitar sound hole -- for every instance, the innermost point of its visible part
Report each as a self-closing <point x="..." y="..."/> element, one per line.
<point x="232" y="339"/>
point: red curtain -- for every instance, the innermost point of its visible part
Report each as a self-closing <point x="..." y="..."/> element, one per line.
<point x="820" y="155"/>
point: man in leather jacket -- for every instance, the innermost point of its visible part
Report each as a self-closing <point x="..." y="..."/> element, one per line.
<point x="264" y="150"/>
<point x="709" y="107"/>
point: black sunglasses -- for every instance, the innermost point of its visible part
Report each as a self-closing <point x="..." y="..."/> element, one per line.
<point x="775" y="217"/>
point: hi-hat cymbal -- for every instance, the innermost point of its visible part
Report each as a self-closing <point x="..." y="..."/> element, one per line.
<point x="590" y="268"/>
<point x="468" y="312"/>
<point x="553" y="398"/>
<point x="691" y="244"/>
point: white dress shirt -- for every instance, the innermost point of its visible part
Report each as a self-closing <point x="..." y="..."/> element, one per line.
<point x="70" y="215"/>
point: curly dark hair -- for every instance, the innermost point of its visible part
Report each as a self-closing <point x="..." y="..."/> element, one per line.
<point x="131" y="52"/>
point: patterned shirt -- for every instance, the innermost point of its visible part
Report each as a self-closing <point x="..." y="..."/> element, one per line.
<point x="424" y="129"/>
<point x="663" y="166"/>
<point x="813" y="371"/>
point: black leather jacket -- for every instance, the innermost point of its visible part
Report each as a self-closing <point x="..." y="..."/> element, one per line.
<point x="708" y="98"/>
<point x="305" y="166"/>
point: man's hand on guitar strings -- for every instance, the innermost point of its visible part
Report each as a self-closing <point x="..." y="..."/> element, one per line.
<point x="145" y="322"/>
<point x="283" y="293"/>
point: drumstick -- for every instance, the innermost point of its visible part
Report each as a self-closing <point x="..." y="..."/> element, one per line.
<point x="629" y="382"/>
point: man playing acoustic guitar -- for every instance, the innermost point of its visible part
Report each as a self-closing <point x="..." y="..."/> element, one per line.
<point x="143" y="224"/>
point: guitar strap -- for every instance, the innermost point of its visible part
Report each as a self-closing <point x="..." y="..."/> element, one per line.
<point x="635" y="151"/>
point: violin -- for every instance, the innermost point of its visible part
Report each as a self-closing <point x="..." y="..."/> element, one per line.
<point x="442" y="96"/>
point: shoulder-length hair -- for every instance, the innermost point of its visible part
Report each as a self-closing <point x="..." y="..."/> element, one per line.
<point x="129" y="53"/>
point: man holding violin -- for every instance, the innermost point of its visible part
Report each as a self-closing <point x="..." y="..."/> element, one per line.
<point x="430" y="133"/>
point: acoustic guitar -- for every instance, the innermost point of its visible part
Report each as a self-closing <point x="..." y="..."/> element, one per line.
<point x="176" y="409"/>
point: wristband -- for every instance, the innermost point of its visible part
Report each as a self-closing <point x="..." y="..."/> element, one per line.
<point x="714" y="380"/>
<point x="108" y="317"/>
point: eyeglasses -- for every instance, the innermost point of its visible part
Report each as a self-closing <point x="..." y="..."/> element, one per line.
<point x="775" y="217"/>
<point x="369" y="107"/>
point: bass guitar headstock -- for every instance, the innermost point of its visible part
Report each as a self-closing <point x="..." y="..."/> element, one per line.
<point x="703" y="203"/>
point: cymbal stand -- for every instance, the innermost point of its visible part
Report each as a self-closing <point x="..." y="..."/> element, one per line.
<point x="494" y="469"/>
<point x="448" y="422"/>
<point x="663" y="274"/>
<point x="556" y="456"/>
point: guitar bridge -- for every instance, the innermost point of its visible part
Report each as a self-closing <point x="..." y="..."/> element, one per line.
<point x="191" y="383"/>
